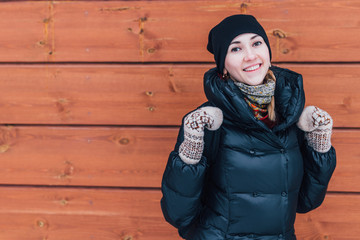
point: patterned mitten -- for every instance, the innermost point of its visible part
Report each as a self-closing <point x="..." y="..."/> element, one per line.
<point x="317" y="125"/>
<point x="191" y="149"/>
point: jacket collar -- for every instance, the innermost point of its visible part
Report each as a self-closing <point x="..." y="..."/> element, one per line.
<point x="289" y="99"/>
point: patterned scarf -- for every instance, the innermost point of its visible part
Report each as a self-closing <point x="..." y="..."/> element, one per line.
<point x="258" y="97"/>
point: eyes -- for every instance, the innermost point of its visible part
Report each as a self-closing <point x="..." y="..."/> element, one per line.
<point x="255" y="44"/>
<point x="235" y="49"/>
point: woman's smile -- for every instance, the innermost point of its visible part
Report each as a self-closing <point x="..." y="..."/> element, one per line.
<point x="252" y="68"/>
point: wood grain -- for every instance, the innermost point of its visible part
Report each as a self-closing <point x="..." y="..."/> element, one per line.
<point x="25" y="31"/>
<point x="124" y="157"/>
<point x="104" y="95"/>
<point x="147" y="94"/>
<point x="134" y="157"/>
<point x="92" y="93"/>
<point x="336" y="219"/>
<point x="60" y="213"/>
<point x="346" y="177"/>
<point x="175" y="31"/>
<point x="67" y="213"/>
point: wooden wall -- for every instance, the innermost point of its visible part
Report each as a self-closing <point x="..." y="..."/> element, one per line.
<point x="93" y="92"/>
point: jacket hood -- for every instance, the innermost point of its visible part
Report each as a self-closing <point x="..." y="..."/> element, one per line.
<point x="289" y="99"/>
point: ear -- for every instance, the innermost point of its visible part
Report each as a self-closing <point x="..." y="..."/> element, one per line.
<point x="225" y="74"/>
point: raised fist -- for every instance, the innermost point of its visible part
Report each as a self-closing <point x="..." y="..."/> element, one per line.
<point x="209" y="117"/>
<point x="317" y="125"/>
<point x="191" y="149"/>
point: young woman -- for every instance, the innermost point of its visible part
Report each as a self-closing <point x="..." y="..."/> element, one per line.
<point x="250" y="157"/>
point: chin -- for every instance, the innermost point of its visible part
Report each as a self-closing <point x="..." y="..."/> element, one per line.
<point x="254" y="82"/>
<point x="257" y="81"/>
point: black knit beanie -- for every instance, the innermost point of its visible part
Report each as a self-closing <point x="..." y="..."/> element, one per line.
<point x="222" y="34"/>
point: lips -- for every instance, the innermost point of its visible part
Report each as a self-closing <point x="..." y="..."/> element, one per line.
<point x="252" y="68"/>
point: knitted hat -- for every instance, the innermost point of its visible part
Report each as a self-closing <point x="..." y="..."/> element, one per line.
<point x="222" y="34"/>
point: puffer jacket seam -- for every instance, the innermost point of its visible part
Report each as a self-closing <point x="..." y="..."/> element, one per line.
<point x="228" y="198"/>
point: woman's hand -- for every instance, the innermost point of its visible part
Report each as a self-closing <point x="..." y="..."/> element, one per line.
<point x="191" y="149"/>
<point x="317" y="125"/>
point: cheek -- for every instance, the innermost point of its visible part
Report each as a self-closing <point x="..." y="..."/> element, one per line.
<point x="266" y="56"/>
<point x="267" y="59"/>
<point x="232" y="63"/>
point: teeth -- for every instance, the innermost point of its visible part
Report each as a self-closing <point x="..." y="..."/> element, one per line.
<point x="252" y="68"/>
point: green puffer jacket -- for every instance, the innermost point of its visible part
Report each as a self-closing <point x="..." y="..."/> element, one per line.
<point x="251" y="180"/>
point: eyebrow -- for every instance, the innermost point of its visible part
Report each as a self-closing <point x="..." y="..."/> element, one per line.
<point x="236" y="42"/>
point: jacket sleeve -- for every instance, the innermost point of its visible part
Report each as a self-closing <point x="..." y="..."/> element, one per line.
<point x="182" y="186"/>
<point x="318" y="169"/>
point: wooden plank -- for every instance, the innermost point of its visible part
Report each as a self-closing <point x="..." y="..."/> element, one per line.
<point x="25" y="31"/>
<point x="85" y="156"/>
<point x="175" y="31"/>
<point x="146" y="94"/>
<point x="60" y="213"/>
<point x="337" y="218"/>
<point x="125" y="157"/>
<point x="346" y="176"/>
<point x="105" y="95"/>
<point x="329" y="87"/>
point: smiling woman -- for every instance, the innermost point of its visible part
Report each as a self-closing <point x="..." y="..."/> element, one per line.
<point x="243" y="165"/>
<point x="247" y="62"/>
<point x="247" y="59"/>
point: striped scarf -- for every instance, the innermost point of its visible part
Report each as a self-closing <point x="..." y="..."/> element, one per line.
<point x="258" y="97"/>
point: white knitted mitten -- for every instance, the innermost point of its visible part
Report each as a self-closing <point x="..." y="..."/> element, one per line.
<point x="317" y="125"/>
<point x="191" y="149"/>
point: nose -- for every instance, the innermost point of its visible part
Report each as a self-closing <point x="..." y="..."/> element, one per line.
<point x="249" y="54"/>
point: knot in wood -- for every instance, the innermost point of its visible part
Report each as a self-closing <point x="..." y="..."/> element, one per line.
<point x="278" y="33"/>
<point x="42" y="223"/>
<point x="4" y="148"/>
<point x="285" y="51"/>
<point x="151" y="50"/>
<point x="143" y="19"/>
<point x="243" y="7"/>
<point x="149" y="93"/>
<point x="63" y="202"/>
<point x="124" y="141"/>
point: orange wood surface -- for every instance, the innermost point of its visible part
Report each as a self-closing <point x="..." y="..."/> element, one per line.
<point x="93" y="92"/>
<point x="147" y="94"/>
<point x="336" y="219"/>
<point x="125" y="157"/>
<point x="24" y="31"/>
<point x="346" y="177"/>
<point x="71" y="213"/>
<point x="142" y="31"/>
<point x="84" y="156"/>
<point x="86" y="214"/>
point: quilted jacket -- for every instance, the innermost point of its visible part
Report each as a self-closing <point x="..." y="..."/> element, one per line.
<point x="251" y="180"/>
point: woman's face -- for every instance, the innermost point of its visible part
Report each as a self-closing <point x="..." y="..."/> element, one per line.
<point x="247" y="59"/>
